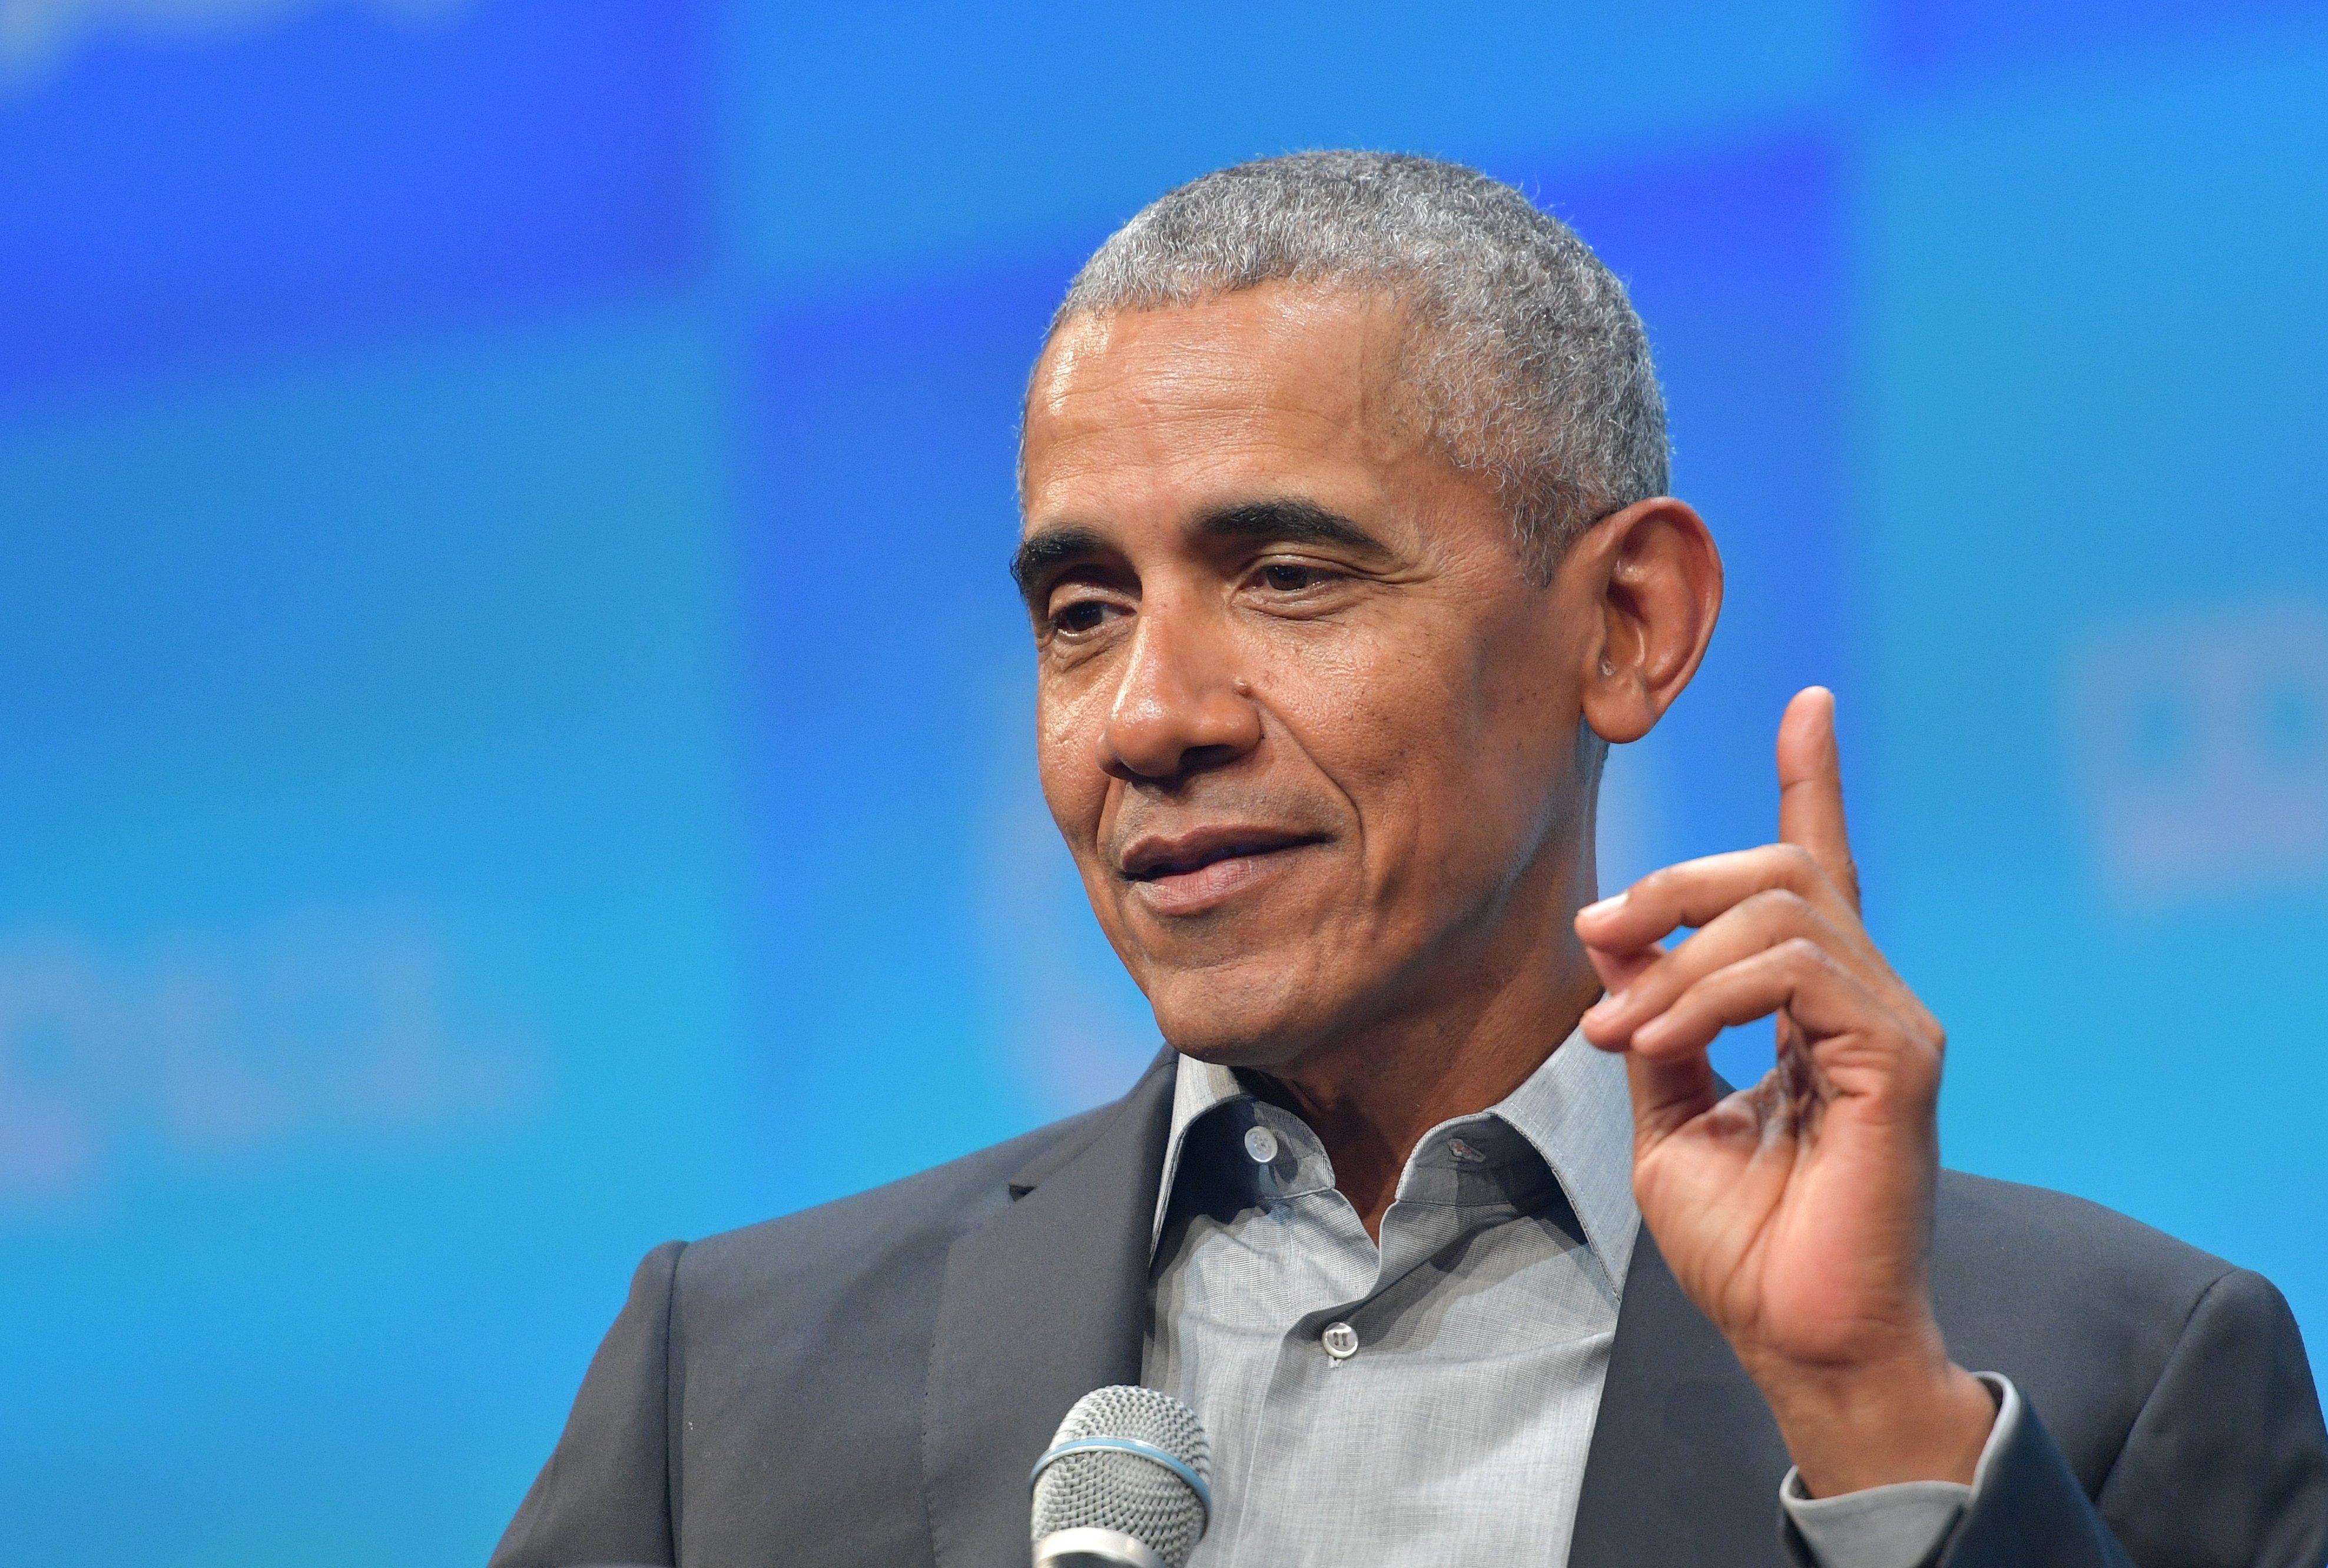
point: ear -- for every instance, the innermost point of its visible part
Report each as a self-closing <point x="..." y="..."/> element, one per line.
<point x="1645" y="585"/>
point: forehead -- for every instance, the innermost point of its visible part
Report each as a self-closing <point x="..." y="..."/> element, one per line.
<point x="1280" y="383"/>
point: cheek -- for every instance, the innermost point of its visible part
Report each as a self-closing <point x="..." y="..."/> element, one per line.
<point x="1066" y="758"/>
<point x="1387" y="712"/>
<point x="1447" y="751"/>
<point x="1389" y="736"/>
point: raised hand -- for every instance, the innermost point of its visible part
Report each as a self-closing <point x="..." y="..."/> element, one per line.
<point x="1797" y="1214"/>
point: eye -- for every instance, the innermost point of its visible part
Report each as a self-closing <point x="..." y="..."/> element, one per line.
<point x="1080" y="615"/>
<point x="1288" y="577"/>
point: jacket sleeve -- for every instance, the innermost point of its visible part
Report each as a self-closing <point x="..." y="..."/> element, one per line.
<point x="606" y="1494"/>
<point x="2225" y="1467"/>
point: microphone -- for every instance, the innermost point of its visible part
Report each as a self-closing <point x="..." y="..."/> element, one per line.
<point x="1125" y="1484"/>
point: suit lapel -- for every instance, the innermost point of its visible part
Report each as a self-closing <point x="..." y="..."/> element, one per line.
<point x="1686" y="1461"/>
<point x="1047" y="1301"/>
<point x="1042" y="1303"/>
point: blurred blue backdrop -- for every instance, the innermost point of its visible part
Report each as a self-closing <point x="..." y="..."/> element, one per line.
<point x="514" y="735"/>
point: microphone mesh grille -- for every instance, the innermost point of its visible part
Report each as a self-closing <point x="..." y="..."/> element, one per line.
<point x="1123" y="1491"/>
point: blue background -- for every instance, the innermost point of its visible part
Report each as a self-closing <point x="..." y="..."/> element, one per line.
<point x="514" y="735"/>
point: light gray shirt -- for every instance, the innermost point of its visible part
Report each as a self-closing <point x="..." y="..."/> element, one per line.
<point x="1429" y="1400"/>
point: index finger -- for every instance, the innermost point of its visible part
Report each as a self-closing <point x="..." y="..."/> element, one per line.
<point x="1810" y="788"/>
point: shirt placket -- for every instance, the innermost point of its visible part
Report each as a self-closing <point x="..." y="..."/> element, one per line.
<point x="1333" y="1267"/>
<point x="1342" y="1272"/>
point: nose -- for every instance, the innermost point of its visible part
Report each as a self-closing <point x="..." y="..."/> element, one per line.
<point x="1179" y="708"/>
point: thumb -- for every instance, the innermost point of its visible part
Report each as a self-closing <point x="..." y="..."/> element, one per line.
<point x="1810" y="788"/>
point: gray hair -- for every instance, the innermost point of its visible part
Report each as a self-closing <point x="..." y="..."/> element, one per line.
<point x="1528" y="361"/>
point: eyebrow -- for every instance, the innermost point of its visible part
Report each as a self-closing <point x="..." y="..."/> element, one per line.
<point x="1290" y="520"/>
<point x="1044" y="551"/>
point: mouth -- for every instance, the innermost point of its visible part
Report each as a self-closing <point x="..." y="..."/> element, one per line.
<point x="1198" y="871"/>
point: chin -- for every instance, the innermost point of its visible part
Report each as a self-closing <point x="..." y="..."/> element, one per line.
<point x="1252" y="1013"/>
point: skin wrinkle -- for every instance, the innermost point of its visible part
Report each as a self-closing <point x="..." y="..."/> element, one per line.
<point x="1335" y="812"/>
<point x="1429" y="725"/>
<point x="1516" y="348"/>
<point x="1292" y="520"/>
<point x="1414" y="389"/>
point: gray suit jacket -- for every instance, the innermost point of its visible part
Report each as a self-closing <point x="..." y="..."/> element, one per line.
<point x="869" y="1383"/>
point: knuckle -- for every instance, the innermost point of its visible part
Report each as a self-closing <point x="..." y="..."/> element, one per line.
<point x="1780" y="904"/>
<point x="1928" y="1071"/>
<point x="1915" y="1063"/>
<point x="1802" y="956"/>
<point x="1795" y="864"/>
<point x="1907" y="1093"/>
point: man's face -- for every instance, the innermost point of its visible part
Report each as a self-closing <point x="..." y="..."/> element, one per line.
<point x="1304" y="719"/>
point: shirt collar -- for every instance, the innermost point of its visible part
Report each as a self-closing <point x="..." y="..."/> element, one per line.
<point x="1576" y="1109"/>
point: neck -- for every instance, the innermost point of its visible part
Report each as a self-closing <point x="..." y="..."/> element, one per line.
<point x="1373" y="1094"/>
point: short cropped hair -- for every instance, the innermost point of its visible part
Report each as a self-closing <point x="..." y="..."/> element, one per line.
<point x="1525" y="356"/>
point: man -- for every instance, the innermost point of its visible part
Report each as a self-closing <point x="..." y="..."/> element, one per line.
<point x="1348" y="555"/>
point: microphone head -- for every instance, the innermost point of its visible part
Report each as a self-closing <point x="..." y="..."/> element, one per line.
<point x="1127" y="1463"/>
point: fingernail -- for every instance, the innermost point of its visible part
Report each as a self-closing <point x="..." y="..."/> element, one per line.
<point x="1608" y="1006"/>
<point x="1605" y="906"/>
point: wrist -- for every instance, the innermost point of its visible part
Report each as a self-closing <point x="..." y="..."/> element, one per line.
<point x="1851" y="1428"/>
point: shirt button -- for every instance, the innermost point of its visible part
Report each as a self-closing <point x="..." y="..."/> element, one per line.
<point x="1340" y="1340"/>
<point x="1261" y="1143"/>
